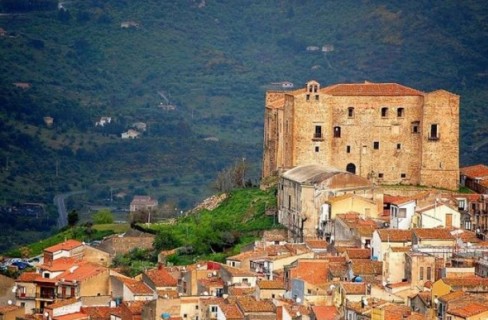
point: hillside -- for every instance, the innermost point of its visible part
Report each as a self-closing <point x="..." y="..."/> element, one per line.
<point x="195" y="73"/>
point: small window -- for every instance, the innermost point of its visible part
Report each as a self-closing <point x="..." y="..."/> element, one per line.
<point x="317" y="149"/>
<point x="415" y="127"/>
<point x="429" y="273"/>
<point x="402" y="213"/>
<point x="185" y="315"/>
<point x="399" y="146"/>
<point x="308" y="97"/>
<point x="317" y="97"/>
<point x="337" y="132"/>
<point x="213" y="308"/>
<point x="421" y="273"/>
<point x="403" y="175"/>
<point x="384" y="112"/>
<point x="196" y="307"/>
<point x="348" y="149"/>
<point x="400" y="112"/>
<point x="380" y="175"/>
<point x="273" y="296"/>
<point x="376" y="145"/>
<point x="434" y="132"/>
<point x="46" y="275"/>
<point x="318" y="132"/>
<point x="350" y="112"/>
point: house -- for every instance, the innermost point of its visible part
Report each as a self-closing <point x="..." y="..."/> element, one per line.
<point x="130" y="134"/>
<point x="11" y="312"/>
<point x="420" y="268"/>
<point x="354" y="230"/>
<point x="140" y="126"/>
<point x="438" y="242"/>
<point x="303" y="193"/>
<point x="366" y="129"/>
<point x="129" y="24"/>
<point x="270" y="289"/>
<point x="256" y="309"/>
<point x="142" y="203"/>
<point x="394" y="265"/>
<point x="392" y="311"/>
<point x="437" y="215"/>
<point x="22" y="85"/>
<point x="307" y="280"/>
<point x="159" y="279"/>
<point x="364" y="270"/>
<point x="103" y="121"/>
<point x="420" y="302"/>
<point x="359" y="310"/>
<point x="128" y="289"/>
<point x="324" y="313"/>
<point x="49" y="121"/>
<point x="402" y="210"/>
<point x="384" y="238"/>
<point x="67" y="249"/>
<point x="201" y="277"/>
<point x="475" y="178"/>
<point x="64" y="307"/>
<point x="235" y="277"/>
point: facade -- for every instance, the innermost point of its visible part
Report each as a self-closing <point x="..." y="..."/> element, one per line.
<point x="386" y="132"/>
<point x="303" y="195"/>
<point x="475" y="178"/>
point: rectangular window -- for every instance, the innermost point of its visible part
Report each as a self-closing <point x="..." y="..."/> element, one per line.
<point x="403" y="175"/>
<point x="350" y="112"/>
<point x="415" y="127"/>
<point x="421" y="273"/>
<point x="429" y="273"/>
<point x="289" y="202"/>
<point x="400" y="112"/>
<point x="434" y="132"/>
<point x="317" y="97"/>
<point x="399" y="146"/>
<point x="348" y="149"/>
<point x="308" y="97"/>
<point x="384" y="112"/>
<point x="402" y="213"/>
<point x="213" y="308"/>
<point x="376" y="145"/>
<point x="380" y="175"/>
<point x="337" y="132"/>
<point x="318" y="132"/>
<point x="317" y="149"/>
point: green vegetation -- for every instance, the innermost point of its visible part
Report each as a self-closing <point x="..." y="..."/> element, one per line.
<point x="212" y="63"/>
<point x="103" y="216"/>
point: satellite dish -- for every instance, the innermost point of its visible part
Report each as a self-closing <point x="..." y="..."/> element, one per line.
<point x="9" y="302"/>
<point x="299" y="300"/>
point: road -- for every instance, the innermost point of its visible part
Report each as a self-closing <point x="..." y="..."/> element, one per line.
<point x="59" y="202"/>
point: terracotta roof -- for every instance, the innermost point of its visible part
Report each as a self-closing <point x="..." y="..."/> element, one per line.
<point x="395" y="311"/>
<point x="100" y="313"/>
<point x="241" y="291"/>
<point x="472" y="281"/>
<point x="325" y="312"/>
<point x="28" y="276"/>
<point x="83" y="271"/>
<point x="73" y="316"/>
<point x="316" y="244"/>
<point x="401" y="249"/>
<point x="248" y="304"/>
<point x="476" y="171"/>
<point x="161" y="278"/>
<point x="398" y="200"/>
<point x="312" y="271"/>
<point x="62" y="303"/>
<point x="468" y="310"/>
<point x="67" y="245"/>
<point x="135" y="307"/>
<point x="358" y="253"/>
<point x="248" y="254"/>
<point x="6" y="309"/>
<point x="354" y="287"/>
<point x="231" y="311"/>
<point x="395" y="235"/>
<point x="135" y="286"/>
<point x="169" y="294"/>
<point x="60" y="264"/>
<point x="362" y="267"/>
<point x="433" y="234"/>
<point x="454" y="295"/>
<point x="212" y="282"/>
<point x="236" y="272"/>
<point x="271" y="284"/>
<point x="370" y="89"/>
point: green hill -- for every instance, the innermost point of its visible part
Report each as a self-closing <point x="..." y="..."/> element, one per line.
<point x="212" y="62"/>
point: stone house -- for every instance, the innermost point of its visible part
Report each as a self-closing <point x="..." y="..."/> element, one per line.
<point x="394" y="265"/>
<point x="128" y="289"/>
<point x="420" y="268"/>
<point x="270" y="289"/>
<point x="130" y="134"/>
<point x="159" y="279"/>
<point x="302" y="195"/>
<point x="235" y="277"/>
<point x="438" y="242"/>
<point x="306" y="280"/>
<point x="142" y="203"/>
<point x="201" y="277"/>
<point x="354" y="230"/>
<point x="386" y="132"/>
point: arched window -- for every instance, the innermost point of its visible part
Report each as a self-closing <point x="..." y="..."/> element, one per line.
<point x="337" y="132"/>
<point x="351" y="167"/>
<point x="350" y="112"/>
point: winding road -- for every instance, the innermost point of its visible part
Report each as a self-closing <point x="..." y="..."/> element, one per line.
<point x="59" y="202"/>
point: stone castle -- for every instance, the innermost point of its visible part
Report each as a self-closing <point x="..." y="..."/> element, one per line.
<point x="385" y="132"/>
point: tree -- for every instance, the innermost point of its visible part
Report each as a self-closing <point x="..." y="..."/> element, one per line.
<point x="73" y="218"/>
<point x="103" y="216"/>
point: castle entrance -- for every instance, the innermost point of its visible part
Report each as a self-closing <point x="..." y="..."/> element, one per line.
<point x="351" y="167"/>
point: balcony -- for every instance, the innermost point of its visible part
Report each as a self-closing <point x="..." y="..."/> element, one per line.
<point x="46" y="296"/>
<point x="24" y="295"/>
<point x="318" y="137"/>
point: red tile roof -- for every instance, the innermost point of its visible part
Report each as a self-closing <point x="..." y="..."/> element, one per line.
<point x="354" y="288"/>
<point x="161" y="278"/>
<point x="249" y="304"/>
<point x="325" y="312"/>
<point x="358" y="253"/>
<point x="73" y="316"/>
<point x="311" y="271"/>
<point x="316" y="244"/>
<point x="472" y="281"/>
<point x="433" y="234"/>
<point x="398" y="200"/>
<point x="362" y="267"/>
<point x="231" y="311"/>
<point x="82" y="271"/>
<point x="100" y="313"/>
<point x="476" y="171"/>
<point x="370" y="89"/>
<point x="28" y="276"/>
<point x="67" y="245"/>
<point x="468" y="310"/>
<point x="395" y="235"/>
<point x="135" y="286"/>
<point x="271" y="284"/>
